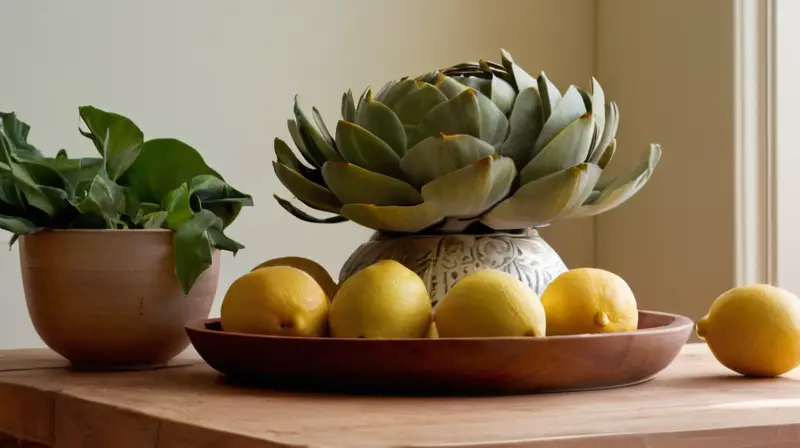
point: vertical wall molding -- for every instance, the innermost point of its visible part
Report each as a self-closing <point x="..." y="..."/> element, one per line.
<point x="754" y="159"/>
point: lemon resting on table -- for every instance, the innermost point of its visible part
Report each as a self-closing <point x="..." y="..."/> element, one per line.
<point x="275" y="300"/>
<point x="489" y="303"/>
<point x="588" y="301"/>
<point x="754" y="330"/>
<point x="310" y="267"/>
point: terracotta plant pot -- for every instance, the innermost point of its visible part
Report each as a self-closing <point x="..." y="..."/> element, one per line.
<point x="442" y="260"/>
<point x="109" y="299"/>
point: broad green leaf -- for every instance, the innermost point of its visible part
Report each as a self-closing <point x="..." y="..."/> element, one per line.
<point x="192" y="248"/>
<point x="624" y="185"/>
<point x="348" y="106"/>
<point x="549" y="94"/>
<point x="470" y="191"/>
<point x="162" y="166"/>
<point x="544" y="200"/>
<point x="602" y="158"/>
<point x="145" y="209"/>
<point x="17" y="133"/>
<point x="599" y="111"/>
<point x="468" y="113"/>
<point x="24" y="183"/>
<point x="438" y="155"/>
<point x="221" y="241"/>
<point x="383" y="123"/>
<point x="311" y="194"/>
<point x="393" y="218"/>
<point x="117" y="138"/>
<point x="9" y="194"/>
<point x="178" y="206"/>
<point x="314" y="158"/>
<point x="361" y="147"/>
<point x="525" y="125"/>
<point x="354" y="185"/>
<point x="303" y="216"/>
<point x="522" y="79"/>
<point x="44" y="174"/>
<point x="414" y="106"/>
<point x="569" y="109"/>
<point x="569" y="148"/>
<point x="16" y="225"/>
<point x="610" y="129"/>
<point x="154" y="220"/>
<point x="312" y="137"/>
<point x="75" y="171"/>
<point x="101" y="197"/>
<point x="219" y="197"/>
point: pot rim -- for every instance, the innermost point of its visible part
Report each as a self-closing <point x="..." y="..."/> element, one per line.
<point x="101" y="231"/>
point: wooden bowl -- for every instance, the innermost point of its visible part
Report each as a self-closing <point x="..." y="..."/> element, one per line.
<point x="446" y="366"/>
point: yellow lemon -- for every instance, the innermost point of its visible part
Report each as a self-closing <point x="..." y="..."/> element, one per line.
<point x="384" y="300"/>
<point x="489" y="303"/>
<point x="311" y="267"/>
<point x="276" y="300"/>
<point x="589" y="300"/>
<point x="754" y="330"/>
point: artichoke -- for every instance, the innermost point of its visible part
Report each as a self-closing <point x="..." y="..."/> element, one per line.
<point x="476" y="144"/>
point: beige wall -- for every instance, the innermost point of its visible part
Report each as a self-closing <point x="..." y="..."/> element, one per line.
<point x="221" y="76"/>
<point x="669" y="65"/>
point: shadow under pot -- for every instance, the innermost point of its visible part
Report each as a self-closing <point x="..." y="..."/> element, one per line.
<point x="109" y="299"/>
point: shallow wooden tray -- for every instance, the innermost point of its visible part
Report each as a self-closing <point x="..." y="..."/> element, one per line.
<point x="446" y="366"/>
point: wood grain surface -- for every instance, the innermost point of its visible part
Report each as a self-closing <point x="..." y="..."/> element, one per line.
<point x="695" y="403"/>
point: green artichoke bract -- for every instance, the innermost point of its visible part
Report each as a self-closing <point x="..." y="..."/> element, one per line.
<point x="475" y="144"/>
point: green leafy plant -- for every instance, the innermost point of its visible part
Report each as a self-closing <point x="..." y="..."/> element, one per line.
<point x="133" y="184"/>
<point x="480" y="145"/>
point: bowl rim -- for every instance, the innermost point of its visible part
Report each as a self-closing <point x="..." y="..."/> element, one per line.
<point x="679" y="323"/>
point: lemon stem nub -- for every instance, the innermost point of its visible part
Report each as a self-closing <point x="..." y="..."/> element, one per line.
<point x="701" y="328"/>
<point x="601" y="319"/>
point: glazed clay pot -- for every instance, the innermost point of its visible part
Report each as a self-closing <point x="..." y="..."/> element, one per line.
<point x="109" y="299"/>
<point x="443" y="259"/>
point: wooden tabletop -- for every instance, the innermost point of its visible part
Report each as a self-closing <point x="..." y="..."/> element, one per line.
<point x="694" y="403"/>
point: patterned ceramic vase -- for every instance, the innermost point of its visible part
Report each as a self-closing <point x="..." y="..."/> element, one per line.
<point x="441" y="260"/>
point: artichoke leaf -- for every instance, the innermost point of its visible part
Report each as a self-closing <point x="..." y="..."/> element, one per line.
<point x="569" y="109"/>
<point x="623" y="186"/>
<point x="599" y="111"/>
<point x="602" y="158"/>
<point x="314" y="195"/>
<point x="315" y="159"/>
<point x="394" y="218"/>
<point x="469" y="113"/>
<point x="323" y="129"/>
<point x="312" y="137"/>
<point x="348" y="106"/>
<point x="438" y="155"/>
<point x="303" y="216"/>
<point x="363" y="148"/>
<point x="393" y="92"/>
<point x="449" y="86"/>
<point x="550" y="94"/>
<point x="569" y="148"/>
<point x="352" y="184"/>
<point x="412" y="108"/>
<point x="544" y="200"/>
<point x="383" y="123"/>
<point x="525" y="124"/>
<point x="522" y="79"/>
<point x="472" y="190"/>
<point x="502" y="94"/>
<point x="610" y="129"/>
